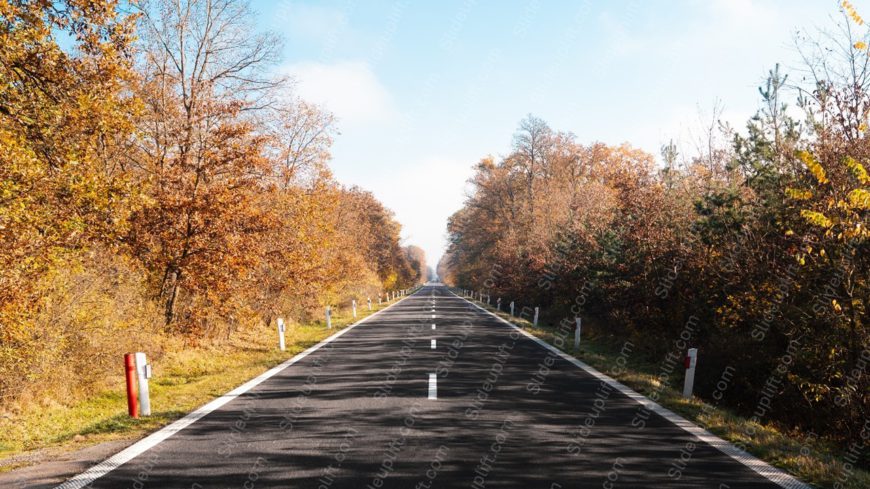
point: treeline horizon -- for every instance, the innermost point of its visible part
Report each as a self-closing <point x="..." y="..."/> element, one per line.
<point x="755" y="246"/>
<point x="159" y="182"/>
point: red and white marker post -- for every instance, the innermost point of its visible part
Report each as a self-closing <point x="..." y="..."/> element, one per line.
<point x="137" y="372"/>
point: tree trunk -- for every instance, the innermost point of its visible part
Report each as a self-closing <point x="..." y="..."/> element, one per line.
<point x="173" y="295"/>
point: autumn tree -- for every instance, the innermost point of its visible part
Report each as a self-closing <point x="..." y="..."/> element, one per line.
<point x="65" y="114"/>
<point x="417" y="260"/>
<point x="200" y="153"/>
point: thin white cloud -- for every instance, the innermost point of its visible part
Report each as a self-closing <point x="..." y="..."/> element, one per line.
<point x="348" y="89"/>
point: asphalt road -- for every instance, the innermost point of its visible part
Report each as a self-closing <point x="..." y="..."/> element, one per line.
<point x="359" y="413"/>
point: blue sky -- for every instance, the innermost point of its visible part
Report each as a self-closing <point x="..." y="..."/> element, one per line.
<point x="423" y="90"/>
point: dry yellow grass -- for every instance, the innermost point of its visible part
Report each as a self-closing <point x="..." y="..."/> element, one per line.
<point x="184" y="379"/>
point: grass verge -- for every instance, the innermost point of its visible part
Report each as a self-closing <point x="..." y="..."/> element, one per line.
<point x="809" y="458"/>
<point x="182" y="382"/>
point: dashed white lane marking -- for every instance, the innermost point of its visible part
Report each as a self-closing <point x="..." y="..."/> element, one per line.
<point x="433" y="325"/>
<point x="433" y="343"/>
<point x="433" y="316"/>
<point x="433" y="386"/>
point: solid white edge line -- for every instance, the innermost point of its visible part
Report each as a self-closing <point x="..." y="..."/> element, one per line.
<point x="771" y="473"/>
<point x="92" y="474"/>
<point x="433" y="386"/>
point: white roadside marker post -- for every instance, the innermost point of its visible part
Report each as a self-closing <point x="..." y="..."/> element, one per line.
<point x="353" y="305"/>
<point x="535" y="322"/>
<point x="512" y="308"/>
<point x="328" y="317"/>
<point x="379" y="299"/>
<point x="579" y="322"/>
<point x="691" y="361"/>
<point x="498" y="304"/>
<point x="281" y="334"/>
<point x="487" y="299"/>
<point x="143" y="372"/>
<point x="370" y="303"/>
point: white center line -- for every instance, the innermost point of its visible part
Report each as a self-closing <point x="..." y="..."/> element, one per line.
<point x="433" y="325"/>
<point x="433" y="316"/>
<point x="433" y="343"/>
<point x="433" y="386"/>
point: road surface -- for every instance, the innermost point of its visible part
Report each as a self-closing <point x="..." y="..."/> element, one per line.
<point x="432" y="392"/>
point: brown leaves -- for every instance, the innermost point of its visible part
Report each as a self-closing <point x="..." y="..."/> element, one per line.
<point x="61" y="116"/>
